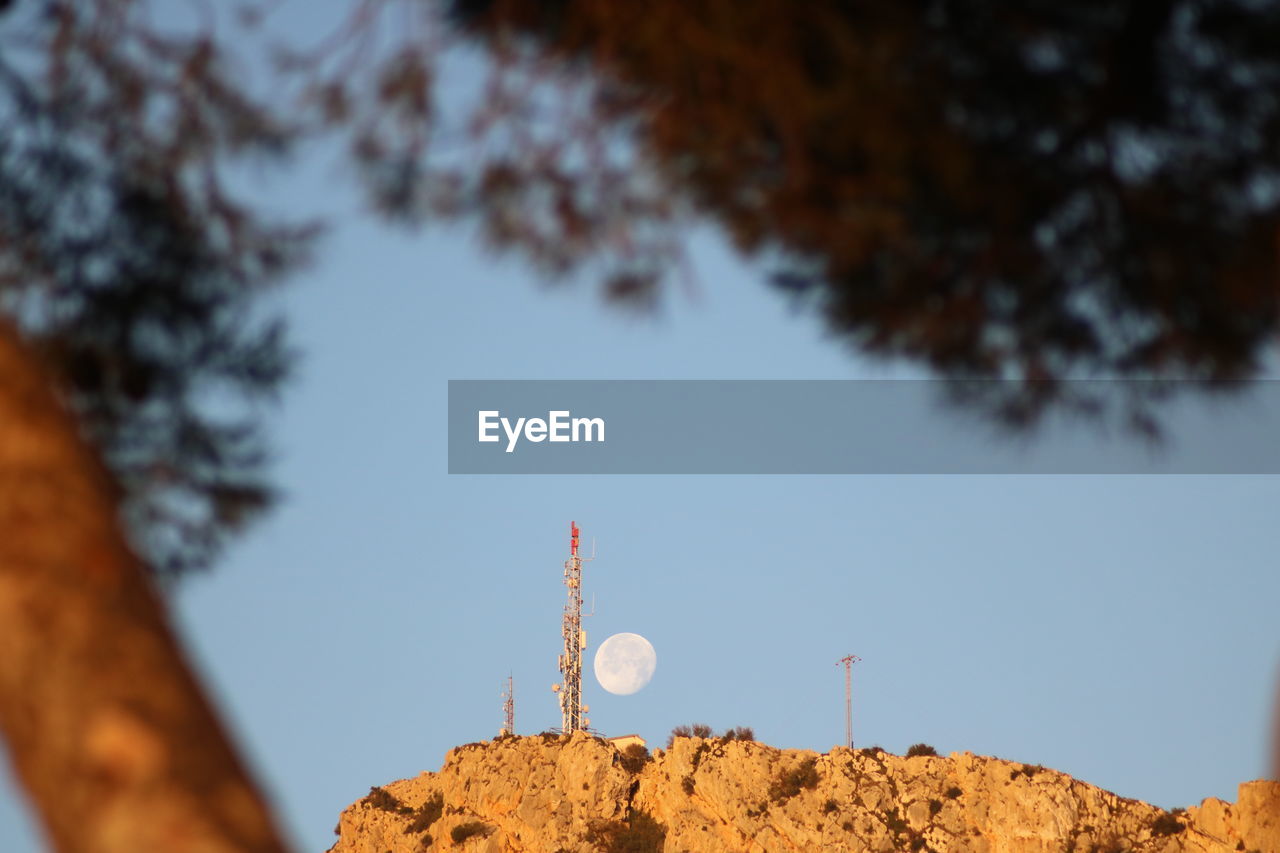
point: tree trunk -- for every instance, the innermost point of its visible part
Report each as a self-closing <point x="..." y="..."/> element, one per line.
<point x="110" y="734"/>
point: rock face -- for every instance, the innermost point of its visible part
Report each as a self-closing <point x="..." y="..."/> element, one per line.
<point x="548" y="794"/>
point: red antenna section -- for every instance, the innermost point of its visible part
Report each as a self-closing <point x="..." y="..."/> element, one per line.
<point x="573" y="538"/>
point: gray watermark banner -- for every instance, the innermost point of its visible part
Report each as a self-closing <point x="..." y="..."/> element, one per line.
<point x="855" y="427"/>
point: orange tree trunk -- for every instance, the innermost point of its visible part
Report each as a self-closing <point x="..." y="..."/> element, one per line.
<point x="110" y="734"/>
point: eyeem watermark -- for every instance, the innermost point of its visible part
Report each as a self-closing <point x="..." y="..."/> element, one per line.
<point x="558" y="426"/>
<point x="840" y="427"/>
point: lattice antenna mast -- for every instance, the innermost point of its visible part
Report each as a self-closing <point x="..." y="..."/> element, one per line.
<point x="575" y="641"/>
<point x="848" y="661"/>
<point x="509" y="707"/>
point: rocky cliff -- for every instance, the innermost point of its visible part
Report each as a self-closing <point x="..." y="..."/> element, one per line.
<point x="548" y="794"/>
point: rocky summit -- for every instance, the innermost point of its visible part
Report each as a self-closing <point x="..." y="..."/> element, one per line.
<point x="580" y="794"/>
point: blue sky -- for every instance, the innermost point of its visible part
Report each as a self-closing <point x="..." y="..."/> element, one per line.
<point x="1121" y="629"/>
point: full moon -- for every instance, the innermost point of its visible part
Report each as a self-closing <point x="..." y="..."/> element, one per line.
<point x="625" y="663"/>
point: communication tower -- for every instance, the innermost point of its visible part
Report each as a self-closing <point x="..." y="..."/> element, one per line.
<point x="848" y="661"/>
<point x="509" y="707"/>
<point x="575" y="641"/>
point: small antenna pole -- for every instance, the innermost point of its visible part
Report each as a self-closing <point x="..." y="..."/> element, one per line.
<point x="848" y="661"/>
<point x="509" y="707"/>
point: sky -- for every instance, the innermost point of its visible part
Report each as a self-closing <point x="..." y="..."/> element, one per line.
<point x="1118" y="628"/>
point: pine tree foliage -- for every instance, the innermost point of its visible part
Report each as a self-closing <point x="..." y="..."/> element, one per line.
<point x="131" y="268"/>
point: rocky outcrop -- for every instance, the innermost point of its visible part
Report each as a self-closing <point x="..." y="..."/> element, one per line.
<point x="548" y="794"/>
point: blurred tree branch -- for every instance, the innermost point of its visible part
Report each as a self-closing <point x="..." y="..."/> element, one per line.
<point x="109" y="732"/>
<point x="1027" y="192"/>
<point x="131" y="350"/>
